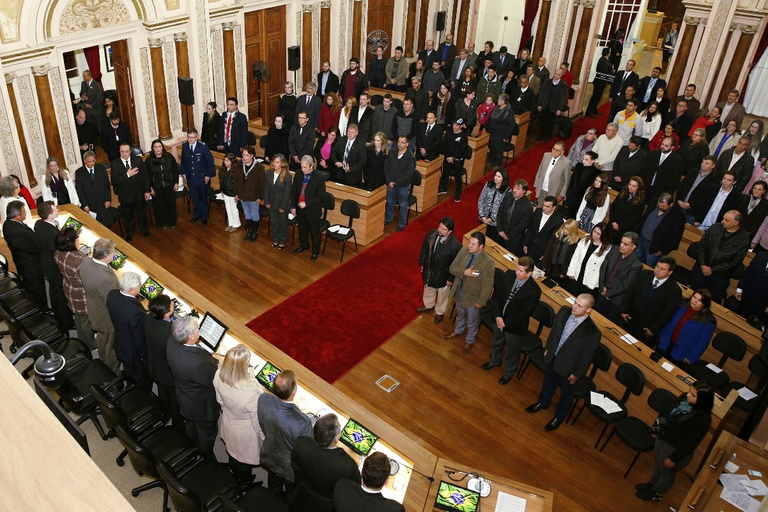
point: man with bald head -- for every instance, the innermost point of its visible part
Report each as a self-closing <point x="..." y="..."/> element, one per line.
<point x="91" y="99"/>
<point x="554" y="173"/>
<point x="429" y="55"/>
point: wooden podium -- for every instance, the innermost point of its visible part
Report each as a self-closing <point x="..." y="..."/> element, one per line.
<point x="370" y="225"/>
<point x="475" y="166"/>
<point x="426" y="193"/>
<point x="523" y="121"/>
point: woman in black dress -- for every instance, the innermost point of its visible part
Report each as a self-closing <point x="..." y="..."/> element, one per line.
<point x="627" y="209"/>
<point x="277" y="138"/>
<point x="286" y="105"/>
<point x="163" y="172"/>
<point x="583" y="176"/>
<point x="211" y="126"/>
<point x="373" y="174"/>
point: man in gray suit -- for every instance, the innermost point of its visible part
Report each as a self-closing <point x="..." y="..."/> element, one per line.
<point x="92" y="99"/>
<point x="572" y="342"/>
<point x="98" y="280"/>
<point x="460" y="63"/>
<point x="732" y="109"/>
<point x="617" y="272"/>
<point x="554" y="173"/>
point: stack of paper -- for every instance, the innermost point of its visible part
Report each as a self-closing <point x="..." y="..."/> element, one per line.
<point x="746" y="393"/>
<point x="343" y="230"/>
<point x="571" y="300"/>
<point x="509" y="257"/>
<point x="603" y="402"/>
<point x="629" y="339"/>
<point x="334" y="228"/>
<point x="738" y="490"/>
<point x="714" y="368"/>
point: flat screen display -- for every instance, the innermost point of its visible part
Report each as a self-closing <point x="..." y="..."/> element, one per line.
<point x="358" y="438"/>
<point x="453" y="497"/>
<point x="211" y="332"/>
<point x="267" y="375"/>
<point x="118" y="259"/>
<point x="151" y="289"/>
<point x="72" y="222"/>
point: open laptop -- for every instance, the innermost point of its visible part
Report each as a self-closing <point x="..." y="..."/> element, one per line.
<point x="212" y="331"/>
<point x="455" y="498"/>
<point x="358" y="438"/>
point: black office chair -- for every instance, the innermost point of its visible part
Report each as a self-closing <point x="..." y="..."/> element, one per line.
<point x="329" y="203"/>
<point x="506" y="149"/>
<point x="684" y="275"/>
<point x="75" y="393"/>
<point x="412" y="201"/>
<point x="184" y="194"/>
<point x="257" y="499"/>
<point x="198" y="485"/>
<point x="488" y="312"/>
<point x="163" y="444"/>
<point x="351" y="209"/>
<point x="633" y="380"/>
<point x="637" y="433"/>
<point x="731" y="346"/>
<point x="532" y="343"/>
<point x="398" y="104"/>
<point x="376" y="100"/>
<point x="601" y="360"/>
<point x="759" y="367"/>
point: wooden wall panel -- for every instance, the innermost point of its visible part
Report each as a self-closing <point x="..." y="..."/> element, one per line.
<point x="423" y="19"/>
<point x="265" y="40"/>
<point x="381" y="14"/>
<point x="306" y="46"/>
<point x="410" y="28"/>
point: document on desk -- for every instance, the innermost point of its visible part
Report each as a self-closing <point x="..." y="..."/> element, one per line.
<point x="740" y="500"/>
<point x="601" y="401"/>
<point x="746" y="393"/>
<point x="509" y="503"/>
<point x="509" y="257"/>
<point x="755" y="487"/>
<point x="734" y="482"/>
<point x="668" y="366"/>
<point x="629" y="339"/>
<point x="571" y="300"/>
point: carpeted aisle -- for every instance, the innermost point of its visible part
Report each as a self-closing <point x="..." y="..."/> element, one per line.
<point x="338" y="320"/>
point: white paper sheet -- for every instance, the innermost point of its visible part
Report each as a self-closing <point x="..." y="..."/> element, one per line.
<point x="714" y="368"/>
<point x="746" y="393"/>
<point x="291" y="216"/>
<point x="731" y="467"/>
<point x="509" y="503"/>
<point x="334" y="228"/>
<point x="343" y="230"/>
<point x="755" y="487"/>
<point x="509" y="257"/>
<point x="668" y="366"/>
<point x="740" y="500"/>
<point x="630" y="339"/>
<point x="733" y="482"/>
<point x="601" y="401"/>
<point x="571" y="300"/>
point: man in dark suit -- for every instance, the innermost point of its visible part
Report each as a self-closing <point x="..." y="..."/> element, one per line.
<point x="629" y="162"/>
<point x="752" y="291"/>
<point x="98" y="280"/>
<point x="504" y="62"/>
<point x="25" y="250"/>
<point x="46" y="232"/>
<point x="318" y="463"/>
<point x="663" y="170"/>
<point x="91" y="98"/>
<point x="327" y="80"/>
<point x="197" y="169"/>
<point x="113" y="134"/>
<point x="661" y="229"/>
<point x="516" y="300"/>
<point x="646" y="91"/>
<point x="92" y="185"/>
<point x="158" y="334"/>
<point x="428" y="55"/>
<point x="233" y="134"/>
<point x="716" y="200"/>
<point x="429" y="139"/>
<point x="398" y="173"/>
<point x="696" y="180"/>
<point x="617" y="272"/>
<point x="692" y="105"/>
<point x="87" y="133"/>
<point x="545" y="221"/>
<point x="301" y="141"/>
<point x="349" y="496"/>
<point x="131" y="183"/>
<point x="127" y="314"/>
<point x="572" y="342"/>
<point x="349" y="158"/>
<point x="553" y="99"/>
<point x="603" y="78"/>
<point x="193" y="370"/>
<point x="454" y="148"/>
<point x="515" y="214"/>
<point x="651" y="301"/>
<point x="362" y="116"/>
<point x="446" y="53"/>
<point x="310" y="103"/>
<point x="282" y="422"/>
<point x="438" y="250"/>
<point x="624" y="79"/>
<point x="522" y="99"/>
<point x="306" y="203"/>
<point x="737" y="160"/>
<point x="680" y="118"/>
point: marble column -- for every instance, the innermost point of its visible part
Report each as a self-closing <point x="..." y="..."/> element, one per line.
<point x="574" y="15"/>
<point x="182" y="69"/>
<point x="410" y="28"/>
<point x="357" y="34"/>
<point x="47" y="112"/>
<point x="325" y="31"/>
<point x="738" y="59"/>
<point x="158" y="89"/>
<point x="683" y="51"/>
<point x="9" y="78"/>
<point x="306" y="44"/>
<point x="541" y="30"/>
<point x="582" y="39"/>
<point x="230" y="72"/>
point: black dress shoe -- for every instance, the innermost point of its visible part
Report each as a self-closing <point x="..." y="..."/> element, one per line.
<point x="553" y="424"/>
<point x="400" y="228"/>
<point x="314" y="257"/>
<point x="488" y="366"/>
<point x="147" y="235"/>
<point x="205" y="221"/>
<point x="193" y="220"/>
<point x="300" y="250"/>
<point x="504" y="380"/>
<point x="534" y="407"/>
<point x="644" y="487"/>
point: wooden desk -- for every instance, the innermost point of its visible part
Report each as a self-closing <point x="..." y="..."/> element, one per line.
<point x="704" y="494"/>
<point x="312" y="389"/>
<point x="426" y="193"/>
<point x="537" y="500"/>
<point x="381" y="92"/>
<point x="523" y="121"/>
<point x="475" y="166"/>
<point x="43" y="466"/>
<point x="370" y="225"/>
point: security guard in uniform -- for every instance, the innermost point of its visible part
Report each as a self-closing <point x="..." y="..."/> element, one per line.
<point x="197" y="169"/>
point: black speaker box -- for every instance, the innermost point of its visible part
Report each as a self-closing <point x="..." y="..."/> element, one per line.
<point x="440" y="25"/>
<point x="294" y="58"/>
<point x="186" y="91"/>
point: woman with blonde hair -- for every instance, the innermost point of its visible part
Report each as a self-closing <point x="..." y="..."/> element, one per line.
<point x="286" y="105"/>
<point x="238" y="394"/>
<point x="277" y="198"/>
<point x="344" y="115"/>
<point x="58" y="186"/>
<point x="584" y="268"/>
<point x="560" y="249"/>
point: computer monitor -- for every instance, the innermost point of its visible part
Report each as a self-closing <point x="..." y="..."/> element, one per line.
<point x="267" y="375"/>
<point x="118" y="259"/>
<point x="151" y="289"/>
<point x="358" y="438"/>
<point x="212" y="331"/>
<point x="455" y="498"/>
<point x="72" y="222"/>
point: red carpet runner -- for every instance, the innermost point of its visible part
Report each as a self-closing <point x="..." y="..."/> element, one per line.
<point x="338" y="320"/>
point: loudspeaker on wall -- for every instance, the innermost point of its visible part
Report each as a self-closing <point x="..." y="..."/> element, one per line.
<point x="294" y="58"/>
<point x="440" y="25"/>
<point x="186" y="91"/>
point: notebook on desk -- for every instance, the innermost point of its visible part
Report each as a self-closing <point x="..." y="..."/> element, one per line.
<point x="455" y="498"/>
<point x="212" y="331"/>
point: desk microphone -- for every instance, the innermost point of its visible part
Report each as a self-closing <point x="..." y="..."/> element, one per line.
<point x="394" y="467"/>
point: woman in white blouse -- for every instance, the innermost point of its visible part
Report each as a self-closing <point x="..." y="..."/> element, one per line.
<point x="58" y="185"/>
<point x="648" y="122"/>
<point x="584" y="269"/>
<point x="595" y="204"/>
<point x="344" y="116"/>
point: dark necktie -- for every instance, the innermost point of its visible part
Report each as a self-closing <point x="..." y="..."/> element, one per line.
<point x="655" y="283"/>
<point x="429" y="128"/>
<point x="127" y="165"/>
<point x="90" y="171"/>
<point x="512" y="293"/>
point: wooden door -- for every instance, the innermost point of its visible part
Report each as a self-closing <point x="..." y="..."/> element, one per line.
<point x="381" y="16"/>
<point x="265" y="40"/>
<point x="124" y="85"/>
